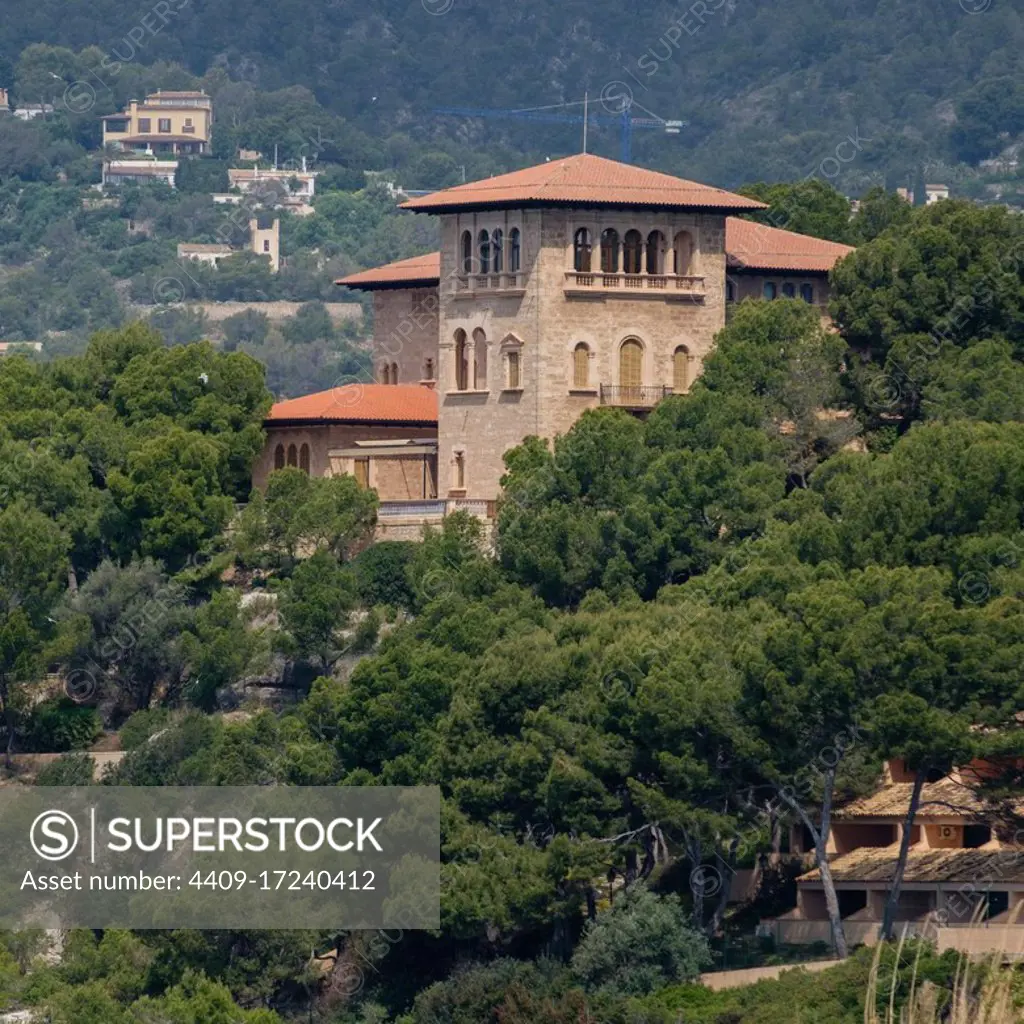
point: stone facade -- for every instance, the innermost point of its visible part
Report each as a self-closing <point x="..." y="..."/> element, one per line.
<point x="405" y="332"/>
<point x="540" y="312"/>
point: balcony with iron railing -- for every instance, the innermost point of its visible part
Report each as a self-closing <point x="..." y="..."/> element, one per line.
<point x="657" y="286"/>
<point x="633" y="397"/>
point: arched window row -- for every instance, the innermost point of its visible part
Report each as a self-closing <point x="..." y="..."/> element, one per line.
<point x="491" y="252"/>
<point x="389" y="373"/>
<point x="634" y="254"/>
<point x="630" y="360"/>
<point x="297" y="456"/>
<point x="788" y="291"/>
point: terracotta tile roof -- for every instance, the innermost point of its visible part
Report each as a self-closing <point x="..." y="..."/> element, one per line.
<point x="416" y="270"/>
<point x="361" y="403"/>
<point x="753" y="246"/>
<point x="878" y="864"/>
<point x="583" y="180"/>
<point x="945" y="799"/>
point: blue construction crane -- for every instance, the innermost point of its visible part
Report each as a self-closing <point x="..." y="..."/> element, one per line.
<point x="625" y="121"/>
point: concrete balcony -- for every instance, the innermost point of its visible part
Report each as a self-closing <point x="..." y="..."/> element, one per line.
<point x="670" y="287"/>
<point x="626" y="397"/>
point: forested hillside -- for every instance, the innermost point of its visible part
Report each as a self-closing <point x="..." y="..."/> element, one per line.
<point x="769" y="88"/>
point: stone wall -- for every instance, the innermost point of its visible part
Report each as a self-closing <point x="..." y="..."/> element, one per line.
<point x="405" y="334"/>
<point x="546" y="320"/>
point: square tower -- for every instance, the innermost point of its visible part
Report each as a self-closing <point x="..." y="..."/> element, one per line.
<point x="574" y="284"/>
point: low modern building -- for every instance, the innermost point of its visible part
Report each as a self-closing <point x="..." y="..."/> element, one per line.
<point x="299" y="186"/>
<point x="964" y="880"/>
<point x="138" y="172"/>
<point x="173" y="123"/>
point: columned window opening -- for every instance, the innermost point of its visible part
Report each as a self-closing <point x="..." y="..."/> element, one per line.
<point x="293" y="455"/>
<point x="681" y="370"/>
<point x="460" y="471"/>
<point x="581" y="251"/>
<point x="484" y="252"/>
<point x="513" y="251"/>
<point x="479" y="360"/>
<point x="581" y="366"/>
<point x="467" y="253"/>
<point x="683" y="254"/>
<point x="632" y="252"/>
<point x="461" y="361"/>
<point x="394" y="373"/>
<point x="304" y="459"/>
<point x="770" y="291"/>
<point x="279" y="457"/>
<point x="807" y="292"/>
<point x="497" y="250"/>
<point x="385" y="374"/>
<point x="609" y="251"/>
<point x="655" y="253"/>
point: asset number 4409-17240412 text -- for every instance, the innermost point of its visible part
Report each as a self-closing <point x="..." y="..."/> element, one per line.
<point x="274" y="880"/>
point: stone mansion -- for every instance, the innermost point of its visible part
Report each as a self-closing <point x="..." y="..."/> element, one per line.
<point x="577" y="283"/>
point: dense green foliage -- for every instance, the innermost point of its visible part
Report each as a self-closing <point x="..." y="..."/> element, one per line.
<point x="626" y="700"/>
<point x="767" y="90"/>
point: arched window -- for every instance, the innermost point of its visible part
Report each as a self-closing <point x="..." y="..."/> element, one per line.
<point x="807" y="292"/>
<point x="632" y="252"/>
<point x="461" y="361"/>
<point x="655" y="253"/>
<point x="513" y="251"/>
<point x="770" y="291"/>
<point x="304" y="459"/>
<point x="498" y="250"/>
<point x="394" y="373"/>
<point x="460" y="471"/>
<point x="681" y="370"/>
<point x="428" y="370"/>
<point x="385" y="374"/>
<point x="788" y="291"/>
<point x="293" y="455"/>
<point x="581" y="251"/>
<point x="479" y="360"/>
<point x="483" y="242"/>
<point x="279" y="457"/>
<point x="631" y="363"/>
<point x="581" y="366"/>
<point x="683" y="254"/>
<point x="467" y="253"/>
<point x="609" y="251"/>
<point x="730" y="292"/>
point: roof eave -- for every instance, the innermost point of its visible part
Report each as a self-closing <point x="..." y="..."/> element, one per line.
<point x="323" y="421"/>
<point x="383" y="286"/>
<point x="467" y="207"/>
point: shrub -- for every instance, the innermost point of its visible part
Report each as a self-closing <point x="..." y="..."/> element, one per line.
<point x="641" y="944"/>
<point x="59" y="725"/>
<point x="69" y="770"/>
<point x="382" y="575"/>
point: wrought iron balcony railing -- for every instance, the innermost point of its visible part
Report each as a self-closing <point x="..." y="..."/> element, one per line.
<point x="627" y="397"/>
